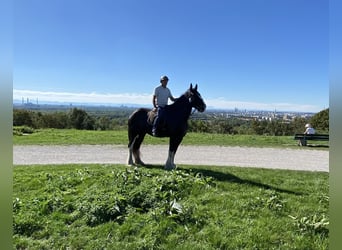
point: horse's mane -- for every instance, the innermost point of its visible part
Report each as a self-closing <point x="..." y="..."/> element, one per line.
<point x="180" y="101"/>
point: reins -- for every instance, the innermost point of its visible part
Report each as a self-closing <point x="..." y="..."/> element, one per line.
<point x="193" y="109"/>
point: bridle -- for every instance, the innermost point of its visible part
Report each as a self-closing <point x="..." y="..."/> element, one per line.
<point x="191" y="96"/>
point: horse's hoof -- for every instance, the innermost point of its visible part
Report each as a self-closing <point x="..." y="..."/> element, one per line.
<point x="169" y="168"/>
<point x="131" y="164"/>
<point x="141" y="163"/>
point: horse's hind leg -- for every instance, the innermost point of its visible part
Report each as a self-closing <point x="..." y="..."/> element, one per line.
<point x="136" y="149"/>
<point x="130" y="151"/>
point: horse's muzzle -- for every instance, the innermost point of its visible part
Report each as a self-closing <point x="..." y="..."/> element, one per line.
<point x="202" y="108"/>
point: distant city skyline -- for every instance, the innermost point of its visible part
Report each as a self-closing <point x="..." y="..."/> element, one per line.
<point x="136" y="100"/>
<point x="246" y="54"/>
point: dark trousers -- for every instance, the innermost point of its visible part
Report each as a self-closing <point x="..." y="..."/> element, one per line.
<point x="159" y="118"/>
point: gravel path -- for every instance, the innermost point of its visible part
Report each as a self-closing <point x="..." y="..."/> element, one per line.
<point x="295" y="159"/>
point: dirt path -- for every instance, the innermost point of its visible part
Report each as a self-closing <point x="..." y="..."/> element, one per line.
<point x="295" y="159"/>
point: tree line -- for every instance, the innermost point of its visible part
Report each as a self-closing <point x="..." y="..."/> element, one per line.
<point x="79" y="119"/>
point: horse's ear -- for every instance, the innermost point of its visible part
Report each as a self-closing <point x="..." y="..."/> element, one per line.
<point x="196" y="87"/>
<point x="191" y="86"/>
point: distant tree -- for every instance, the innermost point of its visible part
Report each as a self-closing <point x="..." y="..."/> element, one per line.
<point x="243" y="129"/>
<point x="259" y="127"/>
<point x="199" y="126"/>
<point x="320" y="121"/>
<point x="298" y="124"/>
<point x="23" y="118"/>
<point x="88" y="123"/>
<point x="118" y="123"/>
<point x="274" y="128"/>
<point x="112" y="120"/>
<point x="38" y="120"/>
<point x="223" y="127"/>
<point x="61" y="119"/>
<point x="79" y="119"/>
<point x="54" y="120"/>
<point x="102" y="123"/>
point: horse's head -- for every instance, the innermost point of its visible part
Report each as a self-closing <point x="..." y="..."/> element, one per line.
<point x="196" y="99"/>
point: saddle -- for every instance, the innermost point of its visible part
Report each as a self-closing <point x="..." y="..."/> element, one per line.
<point x="151" y="115"/>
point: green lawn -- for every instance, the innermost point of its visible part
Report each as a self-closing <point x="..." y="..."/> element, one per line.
<point x="72" y="136"/>
<point x="92" y="206"/>
<point x="195" y="207"/>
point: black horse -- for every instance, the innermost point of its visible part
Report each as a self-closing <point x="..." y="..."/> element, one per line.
<point x="175" y="125"/>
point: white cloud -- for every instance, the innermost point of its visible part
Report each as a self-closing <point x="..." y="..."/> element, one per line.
<point x="91" y="98"/>
<point x="146" y="99"/>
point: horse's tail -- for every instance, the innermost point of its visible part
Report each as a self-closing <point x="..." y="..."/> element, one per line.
<point x="131" y="133"/>
<point x="136" y="124"/>
<point x="137" y="128"/>
<point x="131" y="139"/>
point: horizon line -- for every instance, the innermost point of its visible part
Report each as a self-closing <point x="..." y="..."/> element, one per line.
<point x="146" y="99"/>
<point x="17" y="102"/>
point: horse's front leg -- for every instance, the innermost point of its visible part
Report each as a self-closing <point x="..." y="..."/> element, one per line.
<point x="174" y="143"/>
<point x="170" y="162"/>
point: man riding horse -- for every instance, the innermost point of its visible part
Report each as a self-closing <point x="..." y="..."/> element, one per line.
<point x="175" y="123"/>
<point x="160" y="99"/>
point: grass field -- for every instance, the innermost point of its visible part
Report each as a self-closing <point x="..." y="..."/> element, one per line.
<point x="194" y="207"/>
<point x="72" y="136"/>
<point x="92" y="206"/>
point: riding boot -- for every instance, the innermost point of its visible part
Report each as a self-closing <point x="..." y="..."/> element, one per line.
<point x="154" y="132"/>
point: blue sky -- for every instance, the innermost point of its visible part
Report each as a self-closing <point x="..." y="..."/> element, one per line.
<point x="245" y="54"/>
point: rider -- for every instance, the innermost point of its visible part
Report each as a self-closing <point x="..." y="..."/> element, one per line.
<point x="160" y="99"/>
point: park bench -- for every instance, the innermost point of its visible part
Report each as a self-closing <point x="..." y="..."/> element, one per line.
<point x="303" y="138"/>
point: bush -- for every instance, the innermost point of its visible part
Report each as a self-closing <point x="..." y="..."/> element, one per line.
<point x="320" y="121"/>
<point x="21" y="130"/>
<point x="103" y="120"/>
